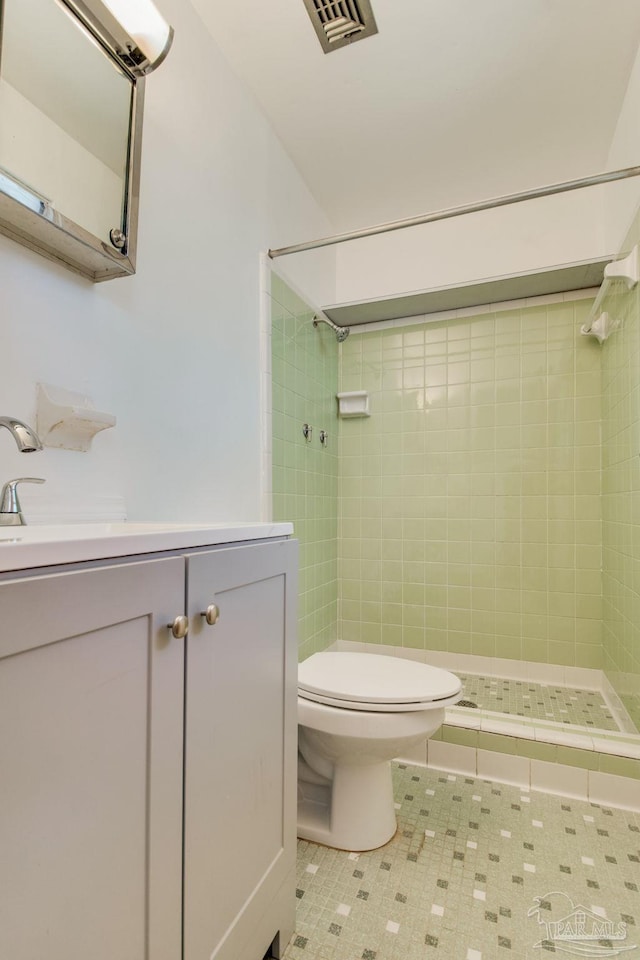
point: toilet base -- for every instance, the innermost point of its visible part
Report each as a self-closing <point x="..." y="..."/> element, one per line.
<point x="353" y="811"/>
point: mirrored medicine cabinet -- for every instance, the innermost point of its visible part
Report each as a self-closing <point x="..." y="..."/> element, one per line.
<point x="70" y="138"/>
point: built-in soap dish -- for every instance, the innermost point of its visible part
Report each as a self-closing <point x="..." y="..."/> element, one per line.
<point x="67" y="419"/>
<point x="353" y="404"/>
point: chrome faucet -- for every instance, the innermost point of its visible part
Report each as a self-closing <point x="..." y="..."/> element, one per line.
<point x="11" y="514"/>
<point x="27" y="441"/>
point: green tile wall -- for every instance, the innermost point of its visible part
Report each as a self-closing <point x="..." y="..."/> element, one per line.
<point x="305" y="485"/>
<point x="621" y="492"/>
<point x="470" y="512"/>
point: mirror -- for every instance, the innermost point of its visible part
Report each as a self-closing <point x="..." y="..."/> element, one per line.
<point x="69" y="140"/>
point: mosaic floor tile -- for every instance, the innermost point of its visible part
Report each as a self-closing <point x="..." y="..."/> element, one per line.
<point x="523" y="698"/>
<point x="473" y="872"/>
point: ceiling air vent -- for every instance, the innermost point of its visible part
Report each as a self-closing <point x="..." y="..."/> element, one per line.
<point x="339" y="22"/>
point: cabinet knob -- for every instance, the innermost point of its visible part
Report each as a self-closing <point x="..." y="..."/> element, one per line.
<point x="211" y="614"/>
<point x="180" y="627"/>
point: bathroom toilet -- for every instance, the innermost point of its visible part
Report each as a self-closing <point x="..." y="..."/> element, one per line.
<point x="356" y="712"/>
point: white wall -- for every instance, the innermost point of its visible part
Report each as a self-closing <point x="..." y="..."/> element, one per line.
<point x="174" y="352"/>
<point x="527" y="236"/>
<point x="622" y="202"/>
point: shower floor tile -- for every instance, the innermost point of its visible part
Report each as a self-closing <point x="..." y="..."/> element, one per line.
<point x="477" y="871"/>
<point x="523" y="698"/>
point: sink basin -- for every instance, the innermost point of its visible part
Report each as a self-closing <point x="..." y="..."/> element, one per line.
<point x="80" y="531"/>
<point x="47" y="544"/>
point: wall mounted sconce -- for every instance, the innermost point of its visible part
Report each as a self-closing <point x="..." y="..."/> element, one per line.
<point x="133" y="30"/>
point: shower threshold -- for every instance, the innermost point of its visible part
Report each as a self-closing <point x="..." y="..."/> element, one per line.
<point x="535" y="717"/>
<point x="536" y="711"/>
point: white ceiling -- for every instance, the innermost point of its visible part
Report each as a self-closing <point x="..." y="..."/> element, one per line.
<point x="453" y="100"/>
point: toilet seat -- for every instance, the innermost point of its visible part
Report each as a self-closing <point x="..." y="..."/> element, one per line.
<point x="375" y="683"/>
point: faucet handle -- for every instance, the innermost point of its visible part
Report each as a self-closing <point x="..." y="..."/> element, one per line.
<point x="10" y="510"/>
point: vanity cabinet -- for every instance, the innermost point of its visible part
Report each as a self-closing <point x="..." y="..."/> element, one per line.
<point x="147" y="783"/>
<point x="240" y="751"/>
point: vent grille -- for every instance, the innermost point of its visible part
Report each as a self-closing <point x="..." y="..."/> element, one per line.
<point x="340" y="22"/>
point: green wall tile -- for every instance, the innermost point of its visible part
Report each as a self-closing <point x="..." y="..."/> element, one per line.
<point x="535" y="750"/>
<point x="498" y="742"/>
<point x="304" y="368"/>
<point x="460" y="735"/>
<point x="573" y="757"/>
<point x="482" y="432"/>
<point x="620" y="766"/>
<point x="488" y="505"/>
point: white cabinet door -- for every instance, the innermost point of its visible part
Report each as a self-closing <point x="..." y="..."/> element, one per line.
<point x="240" y="763"/>
<point x="91" y="724"/>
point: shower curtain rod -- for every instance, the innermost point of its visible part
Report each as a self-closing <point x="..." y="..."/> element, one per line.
<point x="450" y="212"/>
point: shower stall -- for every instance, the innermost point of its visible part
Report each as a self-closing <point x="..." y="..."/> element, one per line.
<point x="483" y="518"/>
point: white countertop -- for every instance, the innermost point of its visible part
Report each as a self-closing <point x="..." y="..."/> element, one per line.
<point x="38" y="546"/>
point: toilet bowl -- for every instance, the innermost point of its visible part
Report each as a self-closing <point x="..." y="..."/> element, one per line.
<point x="356" y="712"/>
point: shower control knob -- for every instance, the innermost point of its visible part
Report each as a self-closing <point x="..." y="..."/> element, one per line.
<point x="180" y="627"/>
<point x="211" y="614"/>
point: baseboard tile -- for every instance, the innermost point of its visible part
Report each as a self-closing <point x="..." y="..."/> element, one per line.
<point x="503" y="767"/>
<point x="416" y="755"/>
<point x="556" y="778"/>
<point x="452" y="756"/>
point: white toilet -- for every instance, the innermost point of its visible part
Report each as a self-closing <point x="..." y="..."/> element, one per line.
<point x="356" y="712"/>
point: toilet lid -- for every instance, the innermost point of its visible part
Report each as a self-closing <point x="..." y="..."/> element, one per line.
<point x="373" y="678"/>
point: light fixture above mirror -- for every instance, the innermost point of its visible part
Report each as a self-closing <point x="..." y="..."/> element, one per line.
<point x="133" y="30"/>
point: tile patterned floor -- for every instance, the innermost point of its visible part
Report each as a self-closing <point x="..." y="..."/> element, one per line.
<point x="521" y="698"/>
<point x="460" y="877"/>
